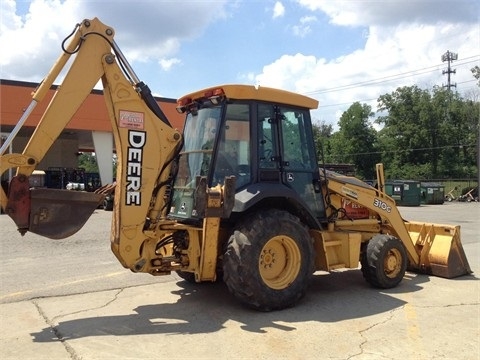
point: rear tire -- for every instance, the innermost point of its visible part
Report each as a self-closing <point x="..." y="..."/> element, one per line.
<point x="384" y="261"/>
<point x="269" y="260"/>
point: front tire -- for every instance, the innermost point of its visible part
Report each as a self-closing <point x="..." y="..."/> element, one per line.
<point x="269" y="260"/>
<point x="384" y="261"/>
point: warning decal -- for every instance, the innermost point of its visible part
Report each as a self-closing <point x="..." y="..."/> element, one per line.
<point x="131" y="120"/>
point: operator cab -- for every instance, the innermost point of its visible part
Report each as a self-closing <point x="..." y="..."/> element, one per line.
<point x="261" y="136"/>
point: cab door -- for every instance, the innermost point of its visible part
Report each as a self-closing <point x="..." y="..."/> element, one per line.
<point x="287" y="152"/>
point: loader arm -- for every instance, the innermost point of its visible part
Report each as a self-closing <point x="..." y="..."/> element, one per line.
<point x="139" y="128"/>
<point x="377" y="201"/>
<point x="431" y="248"/>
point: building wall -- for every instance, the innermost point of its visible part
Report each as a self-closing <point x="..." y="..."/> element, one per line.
<point x="63" y="153"/>
<point x="15" y="96"/>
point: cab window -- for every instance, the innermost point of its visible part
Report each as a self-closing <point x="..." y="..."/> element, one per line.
<point x="233" y="156"/>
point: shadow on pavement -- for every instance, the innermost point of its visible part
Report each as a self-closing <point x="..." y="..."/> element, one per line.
<point x="205" y="308"/>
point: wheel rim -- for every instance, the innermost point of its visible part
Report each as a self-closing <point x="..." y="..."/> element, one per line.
<point x="279" y="262"/>
<point x="393" y="263"/>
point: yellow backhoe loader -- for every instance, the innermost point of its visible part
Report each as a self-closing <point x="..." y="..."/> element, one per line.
<point x="238" y="194"/>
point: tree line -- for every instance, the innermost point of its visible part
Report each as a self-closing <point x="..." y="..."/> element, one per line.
<point x="416" y="133"/>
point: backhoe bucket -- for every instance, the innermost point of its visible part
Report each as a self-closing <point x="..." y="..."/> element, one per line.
<point x="441" y="251"/>
<point x="52" y="213"/>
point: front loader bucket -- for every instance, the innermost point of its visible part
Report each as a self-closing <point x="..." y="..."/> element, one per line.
<point x="441" y="251"/>
<point x="52" y="213"/>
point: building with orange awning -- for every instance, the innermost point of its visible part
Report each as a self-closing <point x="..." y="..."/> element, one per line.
<point x="88" y="130"/>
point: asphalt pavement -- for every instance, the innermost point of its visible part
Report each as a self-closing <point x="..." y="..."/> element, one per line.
<point x="341" y="317"/>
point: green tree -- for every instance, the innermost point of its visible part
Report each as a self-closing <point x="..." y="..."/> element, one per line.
<point x="456" y="157"/>
<point x="410" y="134"/>
<point x="355" y="142"/>
<point x="469" y="142"/>
<point x="88" y="161"/>
<point x="476" y="73"/>
<point x="427" y="134"/>
<point x="321" y="135"/>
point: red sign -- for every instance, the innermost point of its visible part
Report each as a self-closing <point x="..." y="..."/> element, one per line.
<point x="355" y="211"/>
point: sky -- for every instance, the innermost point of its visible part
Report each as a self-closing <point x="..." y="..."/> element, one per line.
<point x="338" y="52"/>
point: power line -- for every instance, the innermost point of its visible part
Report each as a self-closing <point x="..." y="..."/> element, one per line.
<point x="405" y="150"/>
<point x="347" y="103"/>
<point x="373" y="99"/>
<point x="389" y="78"/>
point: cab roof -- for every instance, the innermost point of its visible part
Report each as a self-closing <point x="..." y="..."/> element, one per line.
<point x="249" y="92"/>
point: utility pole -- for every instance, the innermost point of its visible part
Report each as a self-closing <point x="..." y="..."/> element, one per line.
<point x="449" y="56"/>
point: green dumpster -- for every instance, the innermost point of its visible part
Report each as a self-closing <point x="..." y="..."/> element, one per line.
<point x="404" y="192"/>
<point x="432" y="193"/>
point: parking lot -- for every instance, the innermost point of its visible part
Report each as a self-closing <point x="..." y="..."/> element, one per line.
<point x="70" y="299"/>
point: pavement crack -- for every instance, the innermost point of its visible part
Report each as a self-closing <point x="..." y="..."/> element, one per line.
<point x="56" y="331"/>
<point x="475" y="303"/>
<point x="69" y="349"/>
<point x="390" y="317"/>
<point x="115" y="297"/>
<point x="363" y="331"/>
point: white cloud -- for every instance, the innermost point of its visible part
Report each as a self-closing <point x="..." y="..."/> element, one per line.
<point x="167" y="64"/>
<point x="287" y="71"/>
<point x="399" y="45"/>
<point x="10" y="21"/>
<point x="303" y="29"/>
<point x="153" y="30"/>
<point x="398" y="54"/>
<point x="394" y="12"/>
<point x="278" y="10"/>
<point x="30" y="38"/>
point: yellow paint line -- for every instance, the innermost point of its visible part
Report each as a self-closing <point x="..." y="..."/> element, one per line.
<point x="19" y="293"/>
<point x="416" y="348"/>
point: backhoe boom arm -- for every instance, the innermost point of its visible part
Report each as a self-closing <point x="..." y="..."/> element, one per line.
<point x="139" y="128"/>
